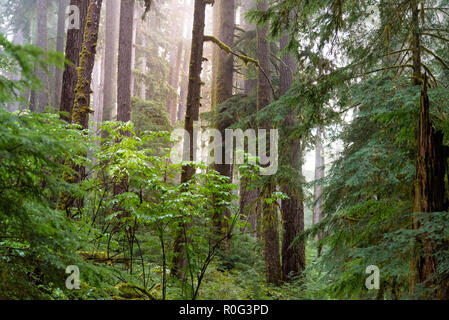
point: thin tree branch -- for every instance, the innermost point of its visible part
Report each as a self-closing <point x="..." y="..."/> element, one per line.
<point x="390" y="68"/>
<point x="242" y="57"/>
<point x="435" y="36"/>
<point x="441" y="60"/>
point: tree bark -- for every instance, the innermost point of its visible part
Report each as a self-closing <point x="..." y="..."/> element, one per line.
<point x="429" y="194"/>
<point x="72" y="53"/>
<point x="179" y="52"/>
<point x="40" y="100"/>
<point x="215" y="51"/>
<point x="223" y="91"/>
<point x="247" y="206"/>
<point x="319" y="174"/>
<point x="125" y="61"/>
<point x="97" y="84"/>
<point x="143" y="90"/>
<point x="81" y="107"/>
<point x="175" y="65"/>
<point x="62" y="4"/>
<point x="292" y="209"/>
<point x="109" y="57"/>
<point x="192" y="115"/>
<point x="249" y="85"/>
<point x="184" y="84"/>
<point x="19" y="40"/>
<point x="171" y="81"/>
<point x="270" y="219"/>
<point x="133" y="49"/>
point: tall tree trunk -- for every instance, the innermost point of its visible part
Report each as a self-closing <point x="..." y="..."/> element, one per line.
<point x="292" y="209"/>
<point x="81" y="107"/>
<point x="429" y="193"/>
<point x="223" y="91"/>
<point x="248" y="205"/>
<point x="248" y="196"/>
<point x="215" y="51"/>
<point x="319" y="174"/>
<point x="175" y="64"/>
<point x="179" y="52"/>
<point x="429" y="186"/>
<point x="99" y="117"/>
<point x="125" y="61"/>
<point x="41" y="97"/>
<point x="19" y="40"/>
<point x="133" y="49"/>
<point x="97" y="84"/>
<point x="72" y="53"/>
<point x="192" y="115"/>
<point x="184" y="84"/>
<point x="249" y="85"/>
<point x="57" y="85"/>
<point x="109" y="57"/>
<point x="171" y="81"/>
<point x="269" y="214"/>
<point x="143" y="90"/>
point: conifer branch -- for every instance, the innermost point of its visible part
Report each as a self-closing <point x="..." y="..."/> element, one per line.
<point x="440" y="59"/>
<point x="435" y="36"/>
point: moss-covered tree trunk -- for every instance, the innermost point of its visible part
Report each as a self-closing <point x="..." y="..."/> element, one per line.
<point x="292" y="209"/>
<point x="81" y="107"/>
<point x="269" y="215"/>
<point x="192" y="115"/>
<point x="72" y="53"/>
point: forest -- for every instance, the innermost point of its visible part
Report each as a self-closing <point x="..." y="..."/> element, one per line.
<point x="224" y="149"/>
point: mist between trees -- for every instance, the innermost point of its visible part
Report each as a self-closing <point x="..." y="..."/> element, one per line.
<point x="227" y="149"/>
<point x="208" y="144"/>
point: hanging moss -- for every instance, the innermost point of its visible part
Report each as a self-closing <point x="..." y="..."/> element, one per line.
<point x="246" y="60"/>
<point x="81" y="108"/>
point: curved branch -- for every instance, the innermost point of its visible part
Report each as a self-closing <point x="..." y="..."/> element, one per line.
<point x="242" y="57"/>
<point x="435" y="36"/>
<point x="390" y="68"/>
<point x="441" y="60"/>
